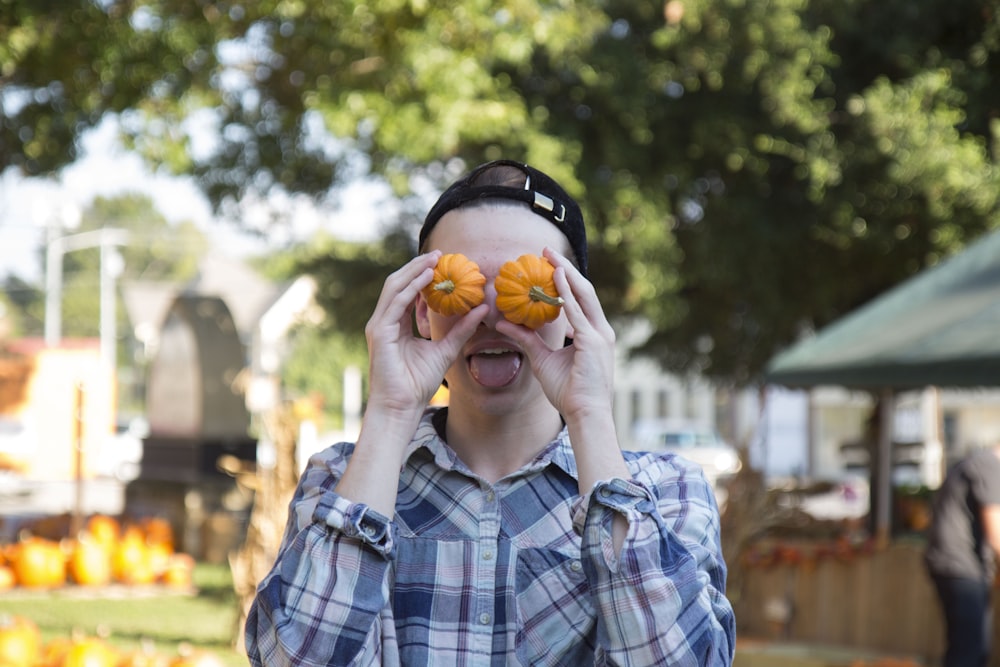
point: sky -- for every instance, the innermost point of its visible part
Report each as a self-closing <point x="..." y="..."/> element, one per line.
<point x="107" y="169"/>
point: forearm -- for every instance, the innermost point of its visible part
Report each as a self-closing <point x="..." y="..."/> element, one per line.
<point x="372" y="475"/>
<point x="991" y="524"/>
<point x="599" y="458"/>
<point x="596" y="449"/>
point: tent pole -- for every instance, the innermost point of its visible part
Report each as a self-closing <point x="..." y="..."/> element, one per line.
<point x="883" y="488"/>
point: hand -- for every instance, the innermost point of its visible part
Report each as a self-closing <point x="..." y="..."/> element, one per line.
<point x="577" y="379"/>
<point x="405" y="370"/>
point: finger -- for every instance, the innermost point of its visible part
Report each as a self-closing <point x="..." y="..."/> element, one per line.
<point x="583" y="308"/>
<point x="463" y="329"/>
<point x="529" y="340"/>
<point x="403" y="285"/>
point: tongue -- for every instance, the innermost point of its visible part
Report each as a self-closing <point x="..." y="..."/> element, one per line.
<point x="495" y="370"/>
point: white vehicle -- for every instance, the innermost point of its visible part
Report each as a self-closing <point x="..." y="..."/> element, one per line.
<point x="695" y="442"/>
<point x="120" y="455"/>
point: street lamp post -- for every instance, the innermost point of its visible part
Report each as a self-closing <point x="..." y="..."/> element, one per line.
<point x="110" y="267"/>
<point x="107" y="239"/>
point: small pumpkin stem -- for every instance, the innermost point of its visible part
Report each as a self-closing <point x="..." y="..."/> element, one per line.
<point x="536" y="293"/>
<point x="446" y="286"/>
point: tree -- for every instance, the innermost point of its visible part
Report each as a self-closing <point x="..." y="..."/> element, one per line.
<point x="749" y="171"/>
<point x="17" y="302"/>
<point x="64" y="65"/>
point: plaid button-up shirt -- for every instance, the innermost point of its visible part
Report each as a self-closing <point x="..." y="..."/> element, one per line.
<point x="521" y="572"/>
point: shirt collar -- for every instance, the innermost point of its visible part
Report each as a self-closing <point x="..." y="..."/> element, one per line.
<point x="559" y="452"/>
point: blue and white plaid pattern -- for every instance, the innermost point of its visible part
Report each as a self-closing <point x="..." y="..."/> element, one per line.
<point x="522" y="572"/>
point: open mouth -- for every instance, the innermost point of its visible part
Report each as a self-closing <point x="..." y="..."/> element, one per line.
<point x="495" y="367"/>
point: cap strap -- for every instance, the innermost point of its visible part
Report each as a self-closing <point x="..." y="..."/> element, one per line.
<point x="546" y="203"/>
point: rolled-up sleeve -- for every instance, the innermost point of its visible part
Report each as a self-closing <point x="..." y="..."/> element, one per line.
<point x="661" y="598"/>
<point x="322" y="602"/>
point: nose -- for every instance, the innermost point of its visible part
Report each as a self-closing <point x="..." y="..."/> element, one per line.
<point x="490" y="300"/>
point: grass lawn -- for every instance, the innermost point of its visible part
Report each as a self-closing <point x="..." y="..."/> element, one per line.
<point x="205" y="620"/>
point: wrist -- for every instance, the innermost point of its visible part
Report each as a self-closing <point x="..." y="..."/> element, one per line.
<point x="387" y="426"/>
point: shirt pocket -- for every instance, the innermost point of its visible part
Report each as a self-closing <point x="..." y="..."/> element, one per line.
<point x="556" y="618"/>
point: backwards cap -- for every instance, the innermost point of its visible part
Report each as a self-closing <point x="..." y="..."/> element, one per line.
<point x="506" y="179"/>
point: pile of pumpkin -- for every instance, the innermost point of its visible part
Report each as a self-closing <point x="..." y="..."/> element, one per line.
<point x="21" y="646"/>
<point x="106" y="551"/>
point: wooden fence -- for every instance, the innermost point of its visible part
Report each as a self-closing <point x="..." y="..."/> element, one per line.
<point x="849" y="596"/>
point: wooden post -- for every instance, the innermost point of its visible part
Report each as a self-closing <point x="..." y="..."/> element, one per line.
<point x="883" y="478"/>
<point x="76" y="523"/>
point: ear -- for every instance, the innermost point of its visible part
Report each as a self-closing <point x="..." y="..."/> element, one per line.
<point x="420" y="309"/>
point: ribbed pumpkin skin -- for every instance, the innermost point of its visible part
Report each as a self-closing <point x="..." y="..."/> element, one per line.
<point x="457" y="286"/>
<point x="526" y="291"/>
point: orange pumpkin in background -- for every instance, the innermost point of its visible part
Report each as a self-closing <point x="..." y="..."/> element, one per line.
<point x="39" y="563"/>
<point x="20" y="642"/>
<point x="89" y="652"/>
<point x="159" y="532"/>
<point x="145" y="657"/>
<point x="179" y="572"/>
<point x="526" y="291"/>
<point x="54" y="652"/>
<point x="7" y="578"/>
<point x="89" y="562"/>
<point x="192" y="657"/>
<point x="457" y="286"/>
<point x="105" y="530"/>
<point x="131" y="562"/>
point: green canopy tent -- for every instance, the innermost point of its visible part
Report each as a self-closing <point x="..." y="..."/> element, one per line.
<point x="940" y="328"/>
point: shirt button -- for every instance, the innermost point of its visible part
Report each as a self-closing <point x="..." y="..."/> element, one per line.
<point x="490" y="496"/>
<point x="576" y="566"/>
<point x="368" y="530"/>
<point x="487" y="555"/>
<point x="605" y="492"/>
<point x="484" y="619"/>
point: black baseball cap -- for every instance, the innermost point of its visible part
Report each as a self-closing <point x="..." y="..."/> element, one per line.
<point x="507" y="179"/>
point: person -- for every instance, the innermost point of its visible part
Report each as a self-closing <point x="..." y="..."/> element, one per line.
<point x="508" y="528"/>
<point x="963" y="540"/>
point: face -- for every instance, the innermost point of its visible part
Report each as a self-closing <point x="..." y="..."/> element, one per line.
<point x="490" y="365"/>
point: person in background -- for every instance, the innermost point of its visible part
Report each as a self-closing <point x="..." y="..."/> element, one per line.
<point x="963" y="541"/>
<point x="508" y="528"/>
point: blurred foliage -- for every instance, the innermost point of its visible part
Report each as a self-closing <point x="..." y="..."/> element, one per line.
<point x="15" y="297"/>
<point x="749" y="171"/>
<point x="315" y="369"/>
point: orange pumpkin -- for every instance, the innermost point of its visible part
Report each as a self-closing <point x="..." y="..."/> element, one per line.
<point x="7" y="578"/>
<point x="105" y="529"/>
<point x="179" y="571"/>
<point x="131" y="562"/>
<point x="457" y="286"/>
<point x="146" y="656"/>
<point x="39" y="563"/>
<point x="54" y="652"/>
<point x="89" y="562"/>
<point x="159" y="557"/>
<point x="20" y="642"/>
<point x="191" y="657"/>
<point x="90" y="652"/>
<point x="159" y="531"/>
<point x="526" y="291"/>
